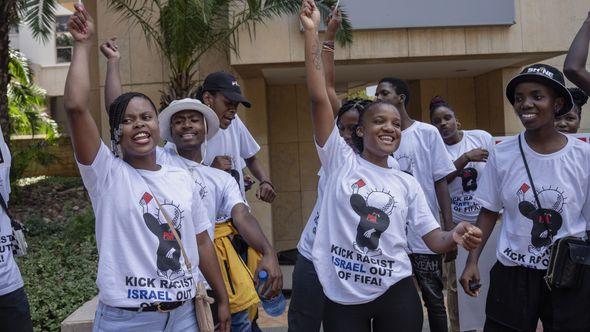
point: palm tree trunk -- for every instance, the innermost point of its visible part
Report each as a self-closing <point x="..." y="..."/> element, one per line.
<point x="7" y="11"/>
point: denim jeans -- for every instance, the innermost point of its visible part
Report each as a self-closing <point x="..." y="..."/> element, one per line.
<point x="240" y="322"/>
<point x="112" y="319"/>
<point x="14" y="312"/>
<point x="307" y="298"/>
<point x="428" y="272"/>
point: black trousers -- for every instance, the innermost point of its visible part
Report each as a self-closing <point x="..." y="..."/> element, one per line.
<point x="518" y="297"/>
<point x="398" y="309"/>
<point x="15" y="315"/>
<point x="428" y="272"/>
<point x="307" y="298"/>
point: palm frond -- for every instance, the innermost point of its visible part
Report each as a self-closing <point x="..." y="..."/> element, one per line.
<point x="142" y="13"/>
<point x="40" y="16"/>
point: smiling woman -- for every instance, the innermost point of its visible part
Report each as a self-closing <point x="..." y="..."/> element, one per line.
<point x="540" y="180"/>
<point x="143" y="245"/>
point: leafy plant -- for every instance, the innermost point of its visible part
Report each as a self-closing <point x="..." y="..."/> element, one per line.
<point x="184" y="30"/>
<point x="60" y="268"/>
<point x="40" y="17"/>
<point x="26" y="100"/>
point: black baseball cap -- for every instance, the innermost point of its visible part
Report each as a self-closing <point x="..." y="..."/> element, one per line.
<point x="546" y="75"/>
<point x="227" y="84"/>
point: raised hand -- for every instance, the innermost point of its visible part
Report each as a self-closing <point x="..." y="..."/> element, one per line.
<point x="333" y="22"/>
<point x="80" y="24"/>
<point x="309" y="15"/>
<point x="110" y="49"/>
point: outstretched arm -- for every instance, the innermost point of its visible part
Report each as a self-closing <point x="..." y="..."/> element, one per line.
<point x="84" y="133"/>
<point x="574" y="67"/>
<point x="210" y="268"/>
<point x="322" y="115"/>
<point x="463" y="234"/>
<point x="333" y="24"/>
<point x="112" y="84"/>
<point x="248" y="227"/>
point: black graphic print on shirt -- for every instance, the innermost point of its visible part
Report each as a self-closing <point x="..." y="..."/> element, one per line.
<point x="374" y="211"/>
<point x="468" y="179"/>
<point x="406" y="163"/>
<point x="168" y="252"/>
<point x="546" y="221"/>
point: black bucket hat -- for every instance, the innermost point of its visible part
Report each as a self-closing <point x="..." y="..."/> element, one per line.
<point x="546" y="75"/>
<point x="227" y="84"/>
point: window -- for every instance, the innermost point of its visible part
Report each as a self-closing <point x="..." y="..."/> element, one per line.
<point x="64" y="42"/>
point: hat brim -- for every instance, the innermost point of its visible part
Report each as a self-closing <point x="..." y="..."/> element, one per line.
<point x="559" y="88"/>
<point x="166" y="115"/>
<point x="234" y="96"/>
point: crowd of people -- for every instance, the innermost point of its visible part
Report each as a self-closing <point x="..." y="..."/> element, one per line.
<point x="398" y="201"/>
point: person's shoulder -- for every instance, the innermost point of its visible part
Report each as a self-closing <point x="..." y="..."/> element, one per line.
<point x="426" y="127"/>
<point x="578" y="144"/>
<point x="215" y="173"/>
<point x="507" y="145"/>
<point x="479" y="133"/>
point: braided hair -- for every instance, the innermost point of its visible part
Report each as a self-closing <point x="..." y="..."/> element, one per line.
<point x="438" y="101"/>
<point x="355" y="104"/>
<point x="116" y="115"/>
<point x="357" y="140"/>
<point x="580" y="98"/>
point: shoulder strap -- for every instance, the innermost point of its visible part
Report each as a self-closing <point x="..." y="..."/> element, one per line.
<point x="171" y="225"/>
<point x="528" y="172"/>
<point x="4" y="206"/>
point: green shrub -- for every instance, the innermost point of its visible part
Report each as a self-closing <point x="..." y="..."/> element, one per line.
<point x="60" y="268"/>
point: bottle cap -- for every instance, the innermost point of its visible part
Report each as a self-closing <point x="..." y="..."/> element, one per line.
<point x="262" y="275"/>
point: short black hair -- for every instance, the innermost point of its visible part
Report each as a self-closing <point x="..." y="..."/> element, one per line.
<point x="356" y="140"/>
<point x="117" y="113"/>
<point x="400" y="87"/>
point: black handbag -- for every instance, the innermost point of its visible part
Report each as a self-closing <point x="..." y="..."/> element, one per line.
<point x="568" y="254"/>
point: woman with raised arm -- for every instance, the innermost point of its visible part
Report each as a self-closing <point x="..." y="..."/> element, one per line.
<point x="147" y="214"/>
<point x="540" y="179"/>
<point x="360" y="251"/>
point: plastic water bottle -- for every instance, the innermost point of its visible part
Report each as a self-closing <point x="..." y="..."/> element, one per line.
<point x="275" y="306"/>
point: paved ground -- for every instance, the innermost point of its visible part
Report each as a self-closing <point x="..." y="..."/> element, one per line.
<point x="279" y="324"/>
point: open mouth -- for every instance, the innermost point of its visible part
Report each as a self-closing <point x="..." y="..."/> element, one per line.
<point x="142" y="137"/>
<point x="528" y="116"/>
<point x="387" y="139"/>
<point x="188" y="136"/>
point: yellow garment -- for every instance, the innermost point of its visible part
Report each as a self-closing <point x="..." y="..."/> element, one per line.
<point x="236" y="275"/>
<point x="253" y="260"/>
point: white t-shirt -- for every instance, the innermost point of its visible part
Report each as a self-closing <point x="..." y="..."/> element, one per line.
<point x="305" y="244"/>
<point x="10" y="278"/>
<point x="562" y="183"/>
<point x="463" y="188"/>
<point x="360" y="249"/>
<point x="139" y="258"/>
<point x="235" y="141"/>
<point x="422" y="153"/>
<point x="218" y="190"/>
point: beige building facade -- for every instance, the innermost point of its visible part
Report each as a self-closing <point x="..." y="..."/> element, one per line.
<point x="468" y="66"/>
